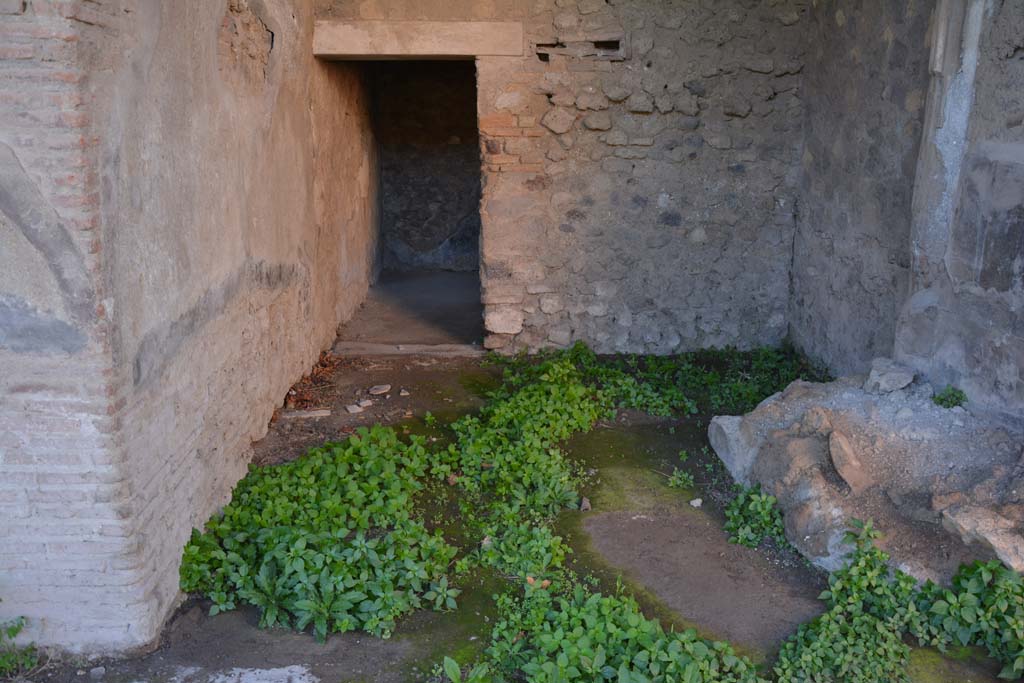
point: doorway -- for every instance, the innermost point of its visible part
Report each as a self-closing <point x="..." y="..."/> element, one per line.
<point x="425" y="124"/>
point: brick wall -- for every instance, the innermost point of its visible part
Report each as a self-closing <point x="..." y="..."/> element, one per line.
<point x="174" y="254"/>
<point x="67" y="552"/>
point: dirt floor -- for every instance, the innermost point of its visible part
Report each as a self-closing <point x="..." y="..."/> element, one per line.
<point x="671" y="554"/>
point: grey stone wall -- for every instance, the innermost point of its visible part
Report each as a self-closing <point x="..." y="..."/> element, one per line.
<point x="864" y="89"/>
<point x="424" y="118"/>
<point x="964" y="323"/>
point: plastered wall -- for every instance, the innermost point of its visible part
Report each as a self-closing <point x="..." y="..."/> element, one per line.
<point x="208" y="252"/>
<point x="865" y="86"/>
<point x="964" y="320"/>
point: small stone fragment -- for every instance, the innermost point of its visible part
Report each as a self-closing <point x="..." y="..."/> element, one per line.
<point x="615" y="92"/>
<point x="696" y="502"/>
<point x="846" y="462"/>
<point x="403" y="392"/>
<point x="887" y="376"/>
<point x="304" y="414"/>
<point x="686" y="103"/>
<point x="591" y="100"/>
<point x="365" y="403"/>
<point x="379" y="389"/>
<point x="789" y="18"/>
<point x="353" y="409"/>
<point x="584" y="504"/>
<point x="97" y="672"/>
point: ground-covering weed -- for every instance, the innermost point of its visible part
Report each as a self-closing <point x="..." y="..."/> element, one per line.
<point x="710" y="381"/>
<point x="332" y="540"/>
<point x="752" y="516"/>
<point x="860" y="638"/>
<point x="950" y="397"/>
<point x="328" y="540"/>
<point x="15" y="660"/>
<point x="871" y="607"/>
<point x="983" y="607"/>
<point x="512" y="477"/>
<point x="579" y="635"/>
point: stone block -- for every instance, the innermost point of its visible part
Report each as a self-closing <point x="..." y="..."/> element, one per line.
<point x="558" y="120"/>
<point x="503" y="319"/>
<point x="597" y="120"/>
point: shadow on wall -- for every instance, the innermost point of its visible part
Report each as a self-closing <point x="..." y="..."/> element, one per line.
<point x="425" y="122"/>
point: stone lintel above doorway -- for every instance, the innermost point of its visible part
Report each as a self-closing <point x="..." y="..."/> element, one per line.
<point x="416" y="39"/>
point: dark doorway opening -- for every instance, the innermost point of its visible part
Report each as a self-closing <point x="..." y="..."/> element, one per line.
<point x="425" y="123"/>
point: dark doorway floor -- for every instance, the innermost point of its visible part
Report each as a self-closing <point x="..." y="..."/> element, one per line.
<point x="421" y="307"/>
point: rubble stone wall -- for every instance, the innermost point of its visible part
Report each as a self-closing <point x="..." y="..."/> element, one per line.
<point x="424" y="118"/>
<point x="639" y="166"/>
<point x="865" y="86"/>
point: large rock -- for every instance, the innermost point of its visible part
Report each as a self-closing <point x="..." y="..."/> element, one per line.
<point x="980" y="525"/>
<point x="933" y="481"/>
<point x="887" y="376"/>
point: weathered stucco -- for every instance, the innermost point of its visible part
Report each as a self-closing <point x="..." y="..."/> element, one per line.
<point x="864" y="89"/>
<point x="964" y="322"/>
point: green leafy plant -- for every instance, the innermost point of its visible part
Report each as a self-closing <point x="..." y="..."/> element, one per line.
<point x="860" y="638"/>
<point x="950" y="397"/>
<point x="334" y="542"/>
<point x="478" y="674"/>
<point x="752" y="516"/>
<point x="441" y="595"/>
<point x="871" y="607"/>
<point x="15" y="660"/>
<point x="983" y="607"/>
<point x="681" y="479"/>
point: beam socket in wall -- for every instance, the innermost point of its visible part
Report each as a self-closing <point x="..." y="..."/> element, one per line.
<point x="612" y="48"/>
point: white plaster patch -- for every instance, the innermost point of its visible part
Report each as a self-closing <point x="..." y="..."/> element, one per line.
<point x="288" y="674"/>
